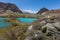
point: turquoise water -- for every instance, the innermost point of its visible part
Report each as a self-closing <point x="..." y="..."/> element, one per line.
<point x="24" y="20"/>
<point x="27" y="20"/>
<point x="4" y="24"/>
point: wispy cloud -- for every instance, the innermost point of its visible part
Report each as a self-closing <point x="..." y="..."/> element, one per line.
<point x="30" y="11"/>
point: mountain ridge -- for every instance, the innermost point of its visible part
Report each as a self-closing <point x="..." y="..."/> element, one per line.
<point x="9" y="6"/>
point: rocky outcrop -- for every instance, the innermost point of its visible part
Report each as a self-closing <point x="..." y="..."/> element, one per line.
<point x="45" y="29"/>
<point x="9" y="6"/>
<point x="51" y="12"/>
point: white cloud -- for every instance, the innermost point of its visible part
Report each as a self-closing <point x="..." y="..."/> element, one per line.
<point x="30" y="11"/>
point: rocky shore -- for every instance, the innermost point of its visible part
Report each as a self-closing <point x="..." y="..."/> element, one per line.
<point x="47" y="27"/>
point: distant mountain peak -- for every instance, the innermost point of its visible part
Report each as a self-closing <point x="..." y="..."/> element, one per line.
<point x="42" y="10"/>
<point x="29" y="12"/>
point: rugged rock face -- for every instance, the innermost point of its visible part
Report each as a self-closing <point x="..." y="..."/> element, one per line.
<point x="45" y="29"/>
<point x="42" y="10"/>
<point x="9" y="6"/>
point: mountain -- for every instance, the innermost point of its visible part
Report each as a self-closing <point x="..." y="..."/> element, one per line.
<point x="42" y="10"/>
<point x="9" y="6"/>
<point x="28" y="12"/>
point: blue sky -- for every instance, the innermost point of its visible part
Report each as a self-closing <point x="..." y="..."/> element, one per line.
<point x="35" y="5"/>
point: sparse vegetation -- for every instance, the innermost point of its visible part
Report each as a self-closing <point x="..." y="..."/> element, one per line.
<point x="47" y="27"/>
